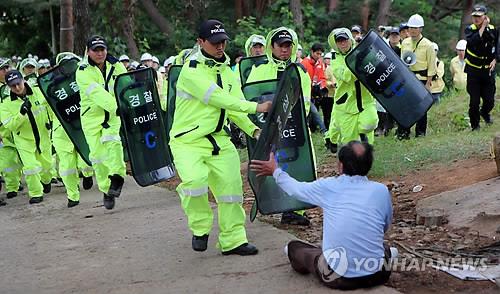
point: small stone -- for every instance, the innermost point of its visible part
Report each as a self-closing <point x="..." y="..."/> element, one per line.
<point x="417" y="188"/>
<point x="454" y="236"/>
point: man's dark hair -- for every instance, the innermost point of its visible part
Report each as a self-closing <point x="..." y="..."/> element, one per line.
<point x="356" y="163"/>
<point x="317" y="46"/>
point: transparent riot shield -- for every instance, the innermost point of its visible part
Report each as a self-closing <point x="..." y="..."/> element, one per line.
<point x="389" y="80"/>
<point x="246" y="65"/>
<point x="144" y="129"/>
<point x="285" y="132"/>
<point x="62" y="94"/>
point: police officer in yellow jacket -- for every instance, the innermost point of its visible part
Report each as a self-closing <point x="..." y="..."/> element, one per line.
<point x="281" y="46"/>
<point x="100" y="122"/>
<point x="424" y="67"/>
<point x="354" y="112"/>
<point x="10" y="167"/>
<point x="480" y="62"/>
<point x="70" y="162"/>
<point x="25" y="115"/>
<point x="208" y="93"/>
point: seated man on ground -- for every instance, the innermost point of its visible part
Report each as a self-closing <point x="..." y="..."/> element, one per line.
<point x="356" y="214"/>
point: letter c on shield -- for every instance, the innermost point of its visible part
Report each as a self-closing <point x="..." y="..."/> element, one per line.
<point x="150" y="142"/>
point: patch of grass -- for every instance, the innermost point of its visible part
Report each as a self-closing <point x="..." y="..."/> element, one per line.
<point x="448" y="139"/>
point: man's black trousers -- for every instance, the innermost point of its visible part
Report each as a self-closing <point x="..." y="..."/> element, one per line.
<point x="480" y="85"/>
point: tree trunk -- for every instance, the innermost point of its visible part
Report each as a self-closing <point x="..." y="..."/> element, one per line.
<point x="82" y="25"/>
<point x="466" y="18"/>
<point x="157" y="17"/>
<point x="238" y="9"/>
<point x="365" y="14"/>
<point x="383" y="12"/>
<point x="66" y="26"/>
<point x="53" y="47"/>
<point x="260" y="6"/>
<point x="332" y="5"/>
<point x="128" y="28"/>
<point x="296" y="9"/>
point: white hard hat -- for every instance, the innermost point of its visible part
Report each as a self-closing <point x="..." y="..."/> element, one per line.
<point x="435" y="47"/>
<point x="169" y="61"/>
<point x="416" y="21"/>
<point x="162" y="69"/>
<point x="328" y="55"/>
<point x="461" y="45"/>
<point x="134" y="64"/>
<point x="146" y="56"/>
<point x="124" y="58"/>
<point x="155" y="59"/>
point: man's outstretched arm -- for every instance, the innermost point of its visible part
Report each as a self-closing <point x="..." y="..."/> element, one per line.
<point x="307" y="192"/>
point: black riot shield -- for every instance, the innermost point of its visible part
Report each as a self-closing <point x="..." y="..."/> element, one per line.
<point x="173" y="76"/>
<point x="142" y="120"/>
<point x="62" y="94"/>
<point x="246" y="65"/>
<point x="390" y="81"/>
<point x="285" y="132"/>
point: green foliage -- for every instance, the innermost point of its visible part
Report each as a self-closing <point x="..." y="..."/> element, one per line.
<point x="25" y="24"/>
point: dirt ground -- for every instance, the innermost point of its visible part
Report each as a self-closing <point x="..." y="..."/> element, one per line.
<point x="404" y="231"/>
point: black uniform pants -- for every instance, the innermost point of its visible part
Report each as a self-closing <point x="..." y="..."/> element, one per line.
<point x="420" y="127"/>
<point x="326" y="107"/>
<point x="480" y="85"/>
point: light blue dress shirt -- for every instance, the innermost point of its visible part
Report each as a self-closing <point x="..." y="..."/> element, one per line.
<point x="356" y="214"/>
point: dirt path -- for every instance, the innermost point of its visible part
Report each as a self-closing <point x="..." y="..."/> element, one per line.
<point x="142" y="246"/>
<point x="436" y="180"/>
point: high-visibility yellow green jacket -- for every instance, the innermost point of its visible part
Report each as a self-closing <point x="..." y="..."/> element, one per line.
<point x="346" y="93"/>
<point x="273" y="67"/>
<point x="31" y="132"/>
<point x="208" y="93"/>
<point x="5" y="133"/>
<point x="98" y="103"/>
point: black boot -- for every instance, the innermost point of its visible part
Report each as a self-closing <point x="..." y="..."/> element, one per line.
<point x="199" y="243"/>
<point x="46" y="188"/>
<point x="116" y="185"/>
<point x="2" y="202"/>
<point x="72" y="203"/>
<point x="11" y="194"/>
<point x="243" y="249"/>
<point x="109" y="201"/>
<point x="35" y="200"/>
<point x="87" y="182"/>
<point x="292" y="218"/>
